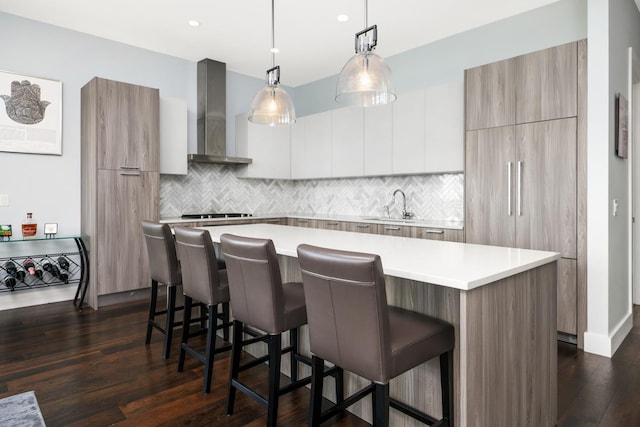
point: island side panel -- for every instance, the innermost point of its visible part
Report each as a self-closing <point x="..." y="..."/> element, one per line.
<point x="508" y="351"/>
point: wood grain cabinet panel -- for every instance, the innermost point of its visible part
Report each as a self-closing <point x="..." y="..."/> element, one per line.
<point x="536" y="205"/>
<point x="489" y="180"/>
<point x="547" y="84"/>
<point x="122" y="263"/>
<point x="546" y="214"/>
<point x="490" y="95"/>
<point x="120" y="182"/>
<point x="127" y="126"/>
<point x="445" y="234"/>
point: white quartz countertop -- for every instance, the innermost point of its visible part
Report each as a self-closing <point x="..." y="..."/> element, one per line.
<point x="457" y="265"/>
<point x="417" y="222"/>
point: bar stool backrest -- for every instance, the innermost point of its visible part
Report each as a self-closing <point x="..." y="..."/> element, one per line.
<point x="200" y="276"/>
<point x="347" y="310"/>
<point x="255" y="284"/>
<point x="161" y="249"/>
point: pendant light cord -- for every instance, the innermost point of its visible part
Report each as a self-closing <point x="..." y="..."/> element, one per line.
<point x="273" y="34"/>
<point x="366" y="13"/>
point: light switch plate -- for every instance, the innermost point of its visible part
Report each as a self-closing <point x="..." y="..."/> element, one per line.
<point x="4" y="200"/>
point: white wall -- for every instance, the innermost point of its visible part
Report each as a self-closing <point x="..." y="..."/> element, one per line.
<point x="614" y="25"/>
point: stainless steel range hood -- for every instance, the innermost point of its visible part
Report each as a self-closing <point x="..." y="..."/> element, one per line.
<point x="211" y="84"/>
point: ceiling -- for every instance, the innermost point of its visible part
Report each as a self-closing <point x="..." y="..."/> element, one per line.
<point x="312" y="43"/>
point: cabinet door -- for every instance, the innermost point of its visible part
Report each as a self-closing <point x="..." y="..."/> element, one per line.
<point x="362" y="227"/>
<point x="378" y="140"/>
<point x="444" y="128"/>
<point x="445" y="234"/>
<point x="491" y="95"/>
<point x="347" y="142"/>
<point x="394" y="230"/>
<point x="311" y="147"/>
<point x="489" y="178"/>
<point x="333" y="225"/>
<point x="546" y="194"/>
<point x="172" y="143"/>
<point x="123" y="200"/>
<point x="547" y="84"/>
<point x="268" y="147"/>
<point x="408" y="133"/>
<point x="128" y="126"/>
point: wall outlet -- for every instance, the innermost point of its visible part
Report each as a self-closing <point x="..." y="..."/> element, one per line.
<point x="4" y="200"/>
<point x="615" y="207"/>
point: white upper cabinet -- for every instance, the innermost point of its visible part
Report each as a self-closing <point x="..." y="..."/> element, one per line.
<point x="347" y="142"/>
<point x="444" y="127"/>
<point x="408" y="133"/>
<point x="378" y="140"/>
<point x="173" y="136"/>
<point x="269" y="147"/>
<point x="311" y="147"/>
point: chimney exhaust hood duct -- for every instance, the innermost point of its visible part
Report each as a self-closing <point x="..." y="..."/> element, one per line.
<point x="212" y="99"/>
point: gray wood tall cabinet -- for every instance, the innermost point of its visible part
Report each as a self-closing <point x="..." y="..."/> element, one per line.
<point x="120" y="181"/>
<point x="525" y="164"/>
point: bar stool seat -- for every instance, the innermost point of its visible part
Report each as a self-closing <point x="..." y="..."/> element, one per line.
<point x="351" y="325"/>
<point x="260" y="300"/>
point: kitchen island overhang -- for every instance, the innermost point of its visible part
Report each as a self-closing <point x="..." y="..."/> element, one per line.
<point x="501" y="301"/>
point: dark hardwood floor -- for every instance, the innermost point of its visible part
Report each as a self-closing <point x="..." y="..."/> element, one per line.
<point x="92" y="368"/>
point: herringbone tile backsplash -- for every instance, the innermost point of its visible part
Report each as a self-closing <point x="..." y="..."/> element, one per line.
<point x="215" y="188"/>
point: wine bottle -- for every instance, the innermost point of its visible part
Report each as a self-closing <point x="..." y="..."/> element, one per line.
<point x="9" y="272"/>
<point x="63" y="262"/>
<point x="29" y="266"/>
<point x="21" y="274"/>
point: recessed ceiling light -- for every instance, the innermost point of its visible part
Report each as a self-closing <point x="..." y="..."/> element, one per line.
<point x="343" y="18"/>
<point x="194" y="23"/>
<point x="275" y="50"/>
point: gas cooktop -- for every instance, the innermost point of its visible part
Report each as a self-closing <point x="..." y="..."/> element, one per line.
<point x="215" y="215"/>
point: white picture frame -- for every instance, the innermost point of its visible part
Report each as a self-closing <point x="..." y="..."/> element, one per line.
<point x="30" y="114"/>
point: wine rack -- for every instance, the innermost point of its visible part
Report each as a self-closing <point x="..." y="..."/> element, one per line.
<point x="44" y="263"/>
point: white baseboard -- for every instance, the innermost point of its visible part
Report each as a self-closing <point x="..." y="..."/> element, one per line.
<point x="29" y="297"/>
<point x="607" y="345"/>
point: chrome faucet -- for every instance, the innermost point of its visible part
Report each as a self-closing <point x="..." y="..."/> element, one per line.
<point x="405" y="213"/>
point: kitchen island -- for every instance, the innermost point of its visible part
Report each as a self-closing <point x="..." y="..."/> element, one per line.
<point x="501" y="302"/>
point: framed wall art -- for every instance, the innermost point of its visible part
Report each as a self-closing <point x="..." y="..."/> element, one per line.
<point x="622" y="114"/>
<point x="30" y="114"/>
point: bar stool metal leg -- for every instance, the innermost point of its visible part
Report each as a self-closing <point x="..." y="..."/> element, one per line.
<point x="152" y="311"/>
<point x="171" y="314"/>
<point x="188" y="304"/>
<point x="236" y="349"/>
<point x="211" y="347"/>
<point x="317" y="377"/>
<point x="275" y="355"/>
<point x="293" y="340"/>
<point x="446" y="381"/>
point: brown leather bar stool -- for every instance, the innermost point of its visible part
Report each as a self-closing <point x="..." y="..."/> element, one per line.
<point x="260" y="300"/>
<point x="351" y="326"/>
<point x="164" y="268"/>
<point x="203" y="282"/>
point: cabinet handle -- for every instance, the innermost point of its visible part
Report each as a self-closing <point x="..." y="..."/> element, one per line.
<point x="303" y="221"/>
<point x="362" y="225"/>
<point x="509" y="172"/>
<point x="130" y="167"/>
<point x="392" y="228"/>
<point x="273" y="220"/>
<point x="130" y="173"/>
<point x="434" y="231"/>
<point x="519" y="199"/>
<point x="332" y="223"/>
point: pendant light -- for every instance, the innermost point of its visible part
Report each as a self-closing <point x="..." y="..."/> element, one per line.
<point x="365" y="80"/>
<point x="272" y="105"/>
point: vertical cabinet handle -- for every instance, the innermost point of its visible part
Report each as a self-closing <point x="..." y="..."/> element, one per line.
<point x="509" y="172"/>
<point x="519" y="199"/>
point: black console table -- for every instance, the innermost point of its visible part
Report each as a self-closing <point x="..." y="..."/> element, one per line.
<point x="45" y="254"/>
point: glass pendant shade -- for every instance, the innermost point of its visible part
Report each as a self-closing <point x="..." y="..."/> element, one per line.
<point x="272" y="106"/>
<point x="365" y="80"/>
